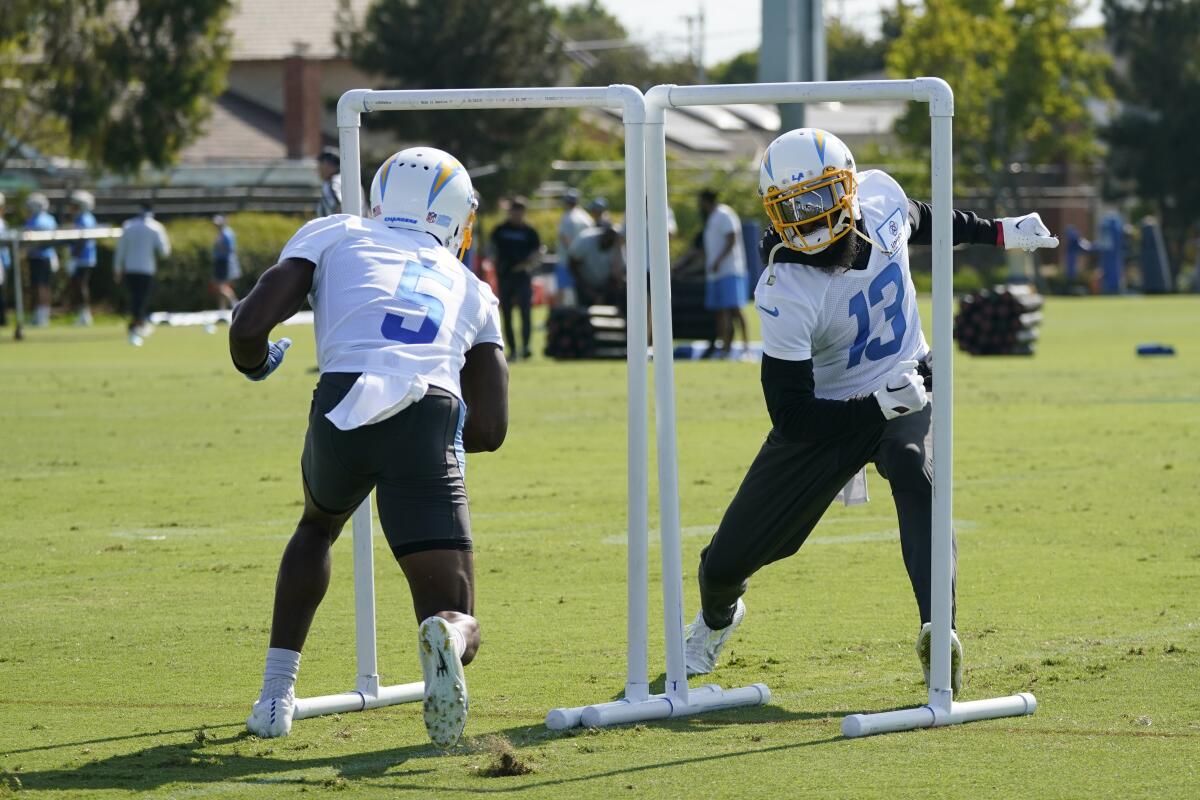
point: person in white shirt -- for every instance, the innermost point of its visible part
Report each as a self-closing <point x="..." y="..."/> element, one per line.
<point x="143" y="242"/>
<point x="725" y="289"/>
<point x="842" y="342"/>
<point x="412" y="378"/>
<point x="574" y="221"/>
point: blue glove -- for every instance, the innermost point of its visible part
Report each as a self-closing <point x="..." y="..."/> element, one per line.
<point x="275" y="354"/>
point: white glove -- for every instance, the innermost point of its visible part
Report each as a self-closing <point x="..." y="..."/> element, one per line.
<point x="903" y="392"/>
<point x="1026" y="233"/>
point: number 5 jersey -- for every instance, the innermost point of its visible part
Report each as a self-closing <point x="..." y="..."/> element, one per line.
<point x="855" y="324"/>
<point x="394" y="305"/>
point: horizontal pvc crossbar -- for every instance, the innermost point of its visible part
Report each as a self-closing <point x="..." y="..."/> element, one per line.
<point x="620" y="96"/>
<point x="60" y="235"/>
<point x="934" y="91"/>
<point x="358" y="701"/>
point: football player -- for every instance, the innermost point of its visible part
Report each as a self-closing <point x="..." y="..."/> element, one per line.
<point x="408" y="339"/>
<point x="841" y="344"/>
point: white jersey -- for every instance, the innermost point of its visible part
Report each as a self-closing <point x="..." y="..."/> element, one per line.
<point x="392" y="302"/>
<point x="720" y="223"/>
<point x="855" y="325"/>
<point x="572" y="223"/>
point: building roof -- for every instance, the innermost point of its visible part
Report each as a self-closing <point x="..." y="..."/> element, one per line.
<point x="267" y="30"/>
<point x="238" y="128"/>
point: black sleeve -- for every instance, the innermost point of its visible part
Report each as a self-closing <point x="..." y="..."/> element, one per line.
<point x="969" y="227"/>
<point x="799" y="416"/>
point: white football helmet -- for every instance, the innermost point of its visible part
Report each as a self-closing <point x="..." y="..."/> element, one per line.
<point x="809" y="190"/>
<point x="85" y="200"/>
<point x="426" y="189"/>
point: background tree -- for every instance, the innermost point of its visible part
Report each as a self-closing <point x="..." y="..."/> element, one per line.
<point x="1023" y="76"/>
<point x="117" y="83"/>
<point x="1153" y="141"/>
<point x="434" y="44"/>
<point x="615" y="62"/>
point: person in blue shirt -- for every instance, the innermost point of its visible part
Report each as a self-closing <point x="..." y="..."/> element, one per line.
<point x="43" y="261"/>
<point x="5" y="264"/>
<point x="225" y="265"/>
<point x="83" y="255"/>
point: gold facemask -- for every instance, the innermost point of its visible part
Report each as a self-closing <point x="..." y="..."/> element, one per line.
<point x="801" y="211"/>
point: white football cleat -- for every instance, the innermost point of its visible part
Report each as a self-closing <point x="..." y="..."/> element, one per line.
<point x="135" y="340"/>
<point x="272" y="716"/>
<point x="445" y="685"/>
<point x="703" y="644"/>
<point x="925" y="644"/>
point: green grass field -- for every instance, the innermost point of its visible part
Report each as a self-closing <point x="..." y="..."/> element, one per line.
<point x="146" y="494"/>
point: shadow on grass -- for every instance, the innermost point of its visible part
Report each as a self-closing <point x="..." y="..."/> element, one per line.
<point x="80" y="742"/>
<point x="245" y="759"/>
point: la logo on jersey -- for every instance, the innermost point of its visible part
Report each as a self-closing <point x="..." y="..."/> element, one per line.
<point x="891" y="233"/>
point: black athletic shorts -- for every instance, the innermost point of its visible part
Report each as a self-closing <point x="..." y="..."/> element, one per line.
<point x="413" y="460"/>
<point x="40" y="271"/>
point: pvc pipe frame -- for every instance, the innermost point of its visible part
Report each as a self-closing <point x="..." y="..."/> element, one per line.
<point x="941" y="710"/>
<point x="646" y="221"/>
<point x="630" y="101"/>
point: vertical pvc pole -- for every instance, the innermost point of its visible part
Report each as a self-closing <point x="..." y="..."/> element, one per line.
<point x="664" y="393"/>
<point x="18" y="300"/>
<point x="940" y="695"/>
<point x="637" y="686"/>
<point x="364" y="554"/>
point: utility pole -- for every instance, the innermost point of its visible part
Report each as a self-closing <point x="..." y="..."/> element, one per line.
<point x="793" y="49"/>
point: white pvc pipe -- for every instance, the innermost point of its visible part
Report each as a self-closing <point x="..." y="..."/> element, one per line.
<point x="942" y="567"/>
<point x="67" y="235"/>
<point x="637" y="685"/>
<point x="908" y="719"/>
<point x="931" y="90"/>
<point x="618" y="96"/>
<point x="659" y="706"/>
<point x="664" y="404"/>
<point x="358" y="701"/>
<point x="367" y="681"/>
<point x="364" y="600"/>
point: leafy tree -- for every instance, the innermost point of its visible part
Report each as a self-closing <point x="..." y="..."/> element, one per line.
<point x="434" y="44"/>
<point x="1152" y="141"/>
<point x="850" y="53"/>
<point x="118" y="83"/>
<point x="1022" y="74"/>
<point x="742" y="68"/>
<point x="589" y="21"/>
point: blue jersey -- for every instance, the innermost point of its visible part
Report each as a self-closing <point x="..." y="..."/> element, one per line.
<point x="5" y="261"/>
<point x="84" y="251"/>
<point x="41" y="222"/>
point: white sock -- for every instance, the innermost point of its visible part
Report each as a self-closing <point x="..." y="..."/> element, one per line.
<point x="279" y="675"/>
<point x="457" y="640"/>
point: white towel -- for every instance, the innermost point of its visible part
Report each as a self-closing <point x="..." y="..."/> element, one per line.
<point x="854" y="493"/>
<point x="374" y="398"/>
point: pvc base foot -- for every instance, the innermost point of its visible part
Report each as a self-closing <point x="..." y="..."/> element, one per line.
<point x="658" y="706"/>
<point x="926" y="716"/>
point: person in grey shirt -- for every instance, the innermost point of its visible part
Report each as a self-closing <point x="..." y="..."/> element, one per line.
<point x="143" y="241"/>
<point x="597" y="263"/>
<point x="329" y="166"/>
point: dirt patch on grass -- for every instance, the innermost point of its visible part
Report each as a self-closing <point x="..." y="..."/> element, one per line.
<point x="503" y="761"/>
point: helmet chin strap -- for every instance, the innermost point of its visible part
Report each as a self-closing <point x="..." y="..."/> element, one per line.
<point x="854" y="229"/>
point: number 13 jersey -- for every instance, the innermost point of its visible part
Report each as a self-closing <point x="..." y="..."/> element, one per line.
<point x="855" y="325"/>
<point x="392" y="302"/>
